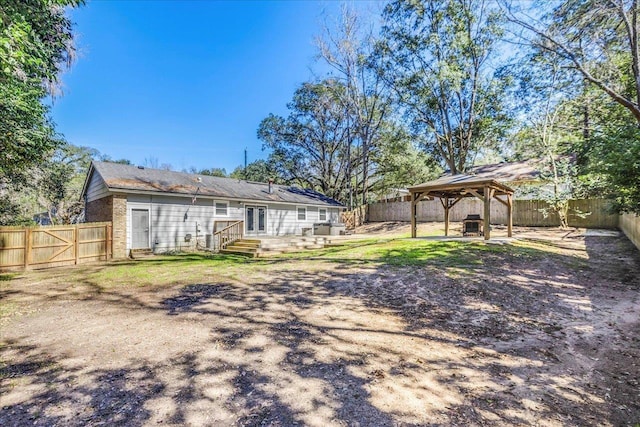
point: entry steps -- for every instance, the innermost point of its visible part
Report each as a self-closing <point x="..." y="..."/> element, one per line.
<point x="273" y="246"/>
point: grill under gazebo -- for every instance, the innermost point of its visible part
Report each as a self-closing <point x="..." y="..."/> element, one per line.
<point x="472" y="225"/>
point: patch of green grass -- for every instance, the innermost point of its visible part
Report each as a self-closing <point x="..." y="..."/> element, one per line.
<point x="407" y="252"/>
<point x="165" y="269"/>
<point x="187" y="268"/>
<point x="5" y="277"/>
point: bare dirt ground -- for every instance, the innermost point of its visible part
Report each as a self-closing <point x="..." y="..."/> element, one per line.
<point x="544" y="331"/>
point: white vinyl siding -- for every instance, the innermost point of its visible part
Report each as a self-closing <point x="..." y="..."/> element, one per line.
<point x="96" y="189"/>
<point x="283" y="219"/>
<point x="169" y="226"/>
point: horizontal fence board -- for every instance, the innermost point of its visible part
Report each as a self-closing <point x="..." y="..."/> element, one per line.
<point x="54" y="246"/>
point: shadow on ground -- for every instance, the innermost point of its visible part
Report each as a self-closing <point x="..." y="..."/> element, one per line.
<point x="469" y="337"/>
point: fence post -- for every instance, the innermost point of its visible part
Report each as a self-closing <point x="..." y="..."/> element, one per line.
<point x="108" y="241"/>
<point x="75" y="244"/>
<point x="27" y="247"/>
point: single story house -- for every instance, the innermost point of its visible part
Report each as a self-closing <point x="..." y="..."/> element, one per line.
<point x="165" y="210"/>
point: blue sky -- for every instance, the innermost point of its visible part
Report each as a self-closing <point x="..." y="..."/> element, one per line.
<point x="185" y="82"/>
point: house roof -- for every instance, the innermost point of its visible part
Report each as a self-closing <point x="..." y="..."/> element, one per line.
<point x="459" y="185"/>
<point x="127" y="178"/>
<point x="525" y="170"/>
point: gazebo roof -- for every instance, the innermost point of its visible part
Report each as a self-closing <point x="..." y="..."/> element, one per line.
<point x="458" y="186"/>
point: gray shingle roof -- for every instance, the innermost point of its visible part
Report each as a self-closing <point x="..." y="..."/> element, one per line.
<point x="119" y="177"/>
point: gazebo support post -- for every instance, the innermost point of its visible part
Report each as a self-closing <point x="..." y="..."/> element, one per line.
<point x="444" y="201"/>
<point x="414" y="214"/>
<point x="509" y="215"/>
<point x="446" y="216"/>
<point x="487" y="213"/>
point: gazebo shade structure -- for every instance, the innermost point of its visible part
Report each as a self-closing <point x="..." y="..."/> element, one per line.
<point x="451" y="189"/>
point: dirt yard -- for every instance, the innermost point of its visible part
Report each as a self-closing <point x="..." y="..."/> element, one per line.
<point x="541" y="330"/>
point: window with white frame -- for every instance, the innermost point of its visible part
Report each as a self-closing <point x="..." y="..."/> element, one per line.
<point x="302" y="213"/>
<point x="322" y="214"/>
<point x="222" y="208"/>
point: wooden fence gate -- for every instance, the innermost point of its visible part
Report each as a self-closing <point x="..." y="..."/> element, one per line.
<point x="54" y="246"/>
<point x="354" y="218"/>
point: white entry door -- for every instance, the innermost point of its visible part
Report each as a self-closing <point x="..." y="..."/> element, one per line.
<point x="140" y="228"/>
<point x="255" y="220"/>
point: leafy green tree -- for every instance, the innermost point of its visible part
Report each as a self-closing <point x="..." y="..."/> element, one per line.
<point x="598" y="40"/>
<point x="545" y="95"/>
<point x="106" y="158"/>
<point x="36" y="42"/>
<point x="401" y="163"/>
<point x="435" y="57"/>
<point x="258" y="171"/>
<point x="59" y="183"/>
<point x="348" y="49"/>
<point x="310" y="146"/>
<point x="54" y="189"/>
<point x="219" y="172"/>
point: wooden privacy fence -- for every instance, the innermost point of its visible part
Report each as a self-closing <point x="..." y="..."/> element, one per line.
<point x="54" y="246"/>
<point x="354" y="218"/>
<point x="593" y="212"/>
<point x="630" y="225"/>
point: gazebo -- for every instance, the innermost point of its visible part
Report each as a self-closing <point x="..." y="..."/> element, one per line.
<point x="451" y="189"/>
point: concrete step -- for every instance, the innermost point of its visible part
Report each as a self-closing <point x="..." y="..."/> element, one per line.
<point x="292" y="242"/>
<point x="239" y="251"/>
<point x="268" y="247"/>
<point x="140" y="253"/>
<point x="246" y="244"/>
<point x="290" y="245"/>
<point x="283" y="249"/>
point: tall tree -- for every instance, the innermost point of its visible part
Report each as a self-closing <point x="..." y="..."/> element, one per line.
<point x="310" y="146"/>
<point x="258" y="171"/>
<point x="548" y="133"/>
<point x="435" y="57"/>
<point x="401" y="163"/>
<point x="598" y="39"/>
<point x="36" y="43"/>
<point x="219" y="172"/>
<point x="348" y="49"/>
<point x="59" y="183"/>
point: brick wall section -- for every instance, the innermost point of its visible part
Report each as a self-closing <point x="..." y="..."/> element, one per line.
<point x="99" y="210"/>
<point x="114" y="209"/>
<point x="119" y="226"/>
